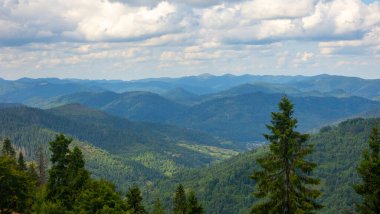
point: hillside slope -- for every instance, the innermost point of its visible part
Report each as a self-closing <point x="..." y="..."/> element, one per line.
<point x="239" y="114"/>
<point x="226" y="187"/>
<point x="149" y="151"/>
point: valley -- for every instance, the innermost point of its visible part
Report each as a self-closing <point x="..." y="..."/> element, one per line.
<point x="164" y="135"/>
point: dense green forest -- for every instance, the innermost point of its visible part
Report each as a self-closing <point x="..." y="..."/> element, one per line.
<point x="233" y="107"/>
<point x="159" y="158"/>
<point x="237" y="114"/>
<point x="226" y="187"/>
<point x="69" y="187"/>
<point x="114" y="148"/>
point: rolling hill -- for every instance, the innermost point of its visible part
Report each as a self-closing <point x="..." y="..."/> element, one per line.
<point x="239" y="114"/>
<point x="226" y="187"/>
<point x="35" y="92"/>
<point x="140" y="151"/>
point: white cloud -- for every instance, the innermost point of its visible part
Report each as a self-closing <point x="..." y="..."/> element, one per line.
<point x="277" y="9"/>
<point x="369" y="44"/>
<point x="116" y="21"/>
<point x="174" y="33"/>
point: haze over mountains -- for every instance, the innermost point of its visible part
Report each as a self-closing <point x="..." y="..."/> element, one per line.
<point x="235" y="108"/>
<point x="161" y="132"/>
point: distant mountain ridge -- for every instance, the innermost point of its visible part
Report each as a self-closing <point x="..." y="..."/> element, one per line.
<point x="239" y="114"/>
<point x="32" y="91"/>
<point x="232" y="107"/>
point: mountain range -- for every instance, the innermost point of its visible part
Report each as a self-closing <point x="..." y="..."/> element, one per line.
<point x="203" y="131"/>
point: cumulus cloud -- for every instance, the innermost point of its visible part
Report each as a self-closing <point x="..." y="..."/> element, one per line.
<point x="251" y="21"/>
<point x="274" y="20"/>
<point x="369" y="44"/>
<point x="44" y="20"/>
<point x="48" y="34"/>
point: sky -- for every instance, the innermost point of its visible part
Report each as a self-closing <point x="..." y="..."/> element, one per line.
<point x="135" y="39"/>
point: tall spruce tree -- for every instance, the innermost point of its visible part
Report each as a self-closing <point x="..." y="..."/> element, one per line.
<point x="8" y="149"/>
<point x="41" y="166"/>
<point x="284" y="184"/>
<point x="157" y="208"/>
<point x="16" y="187"/>
<point x="180" y="203"/>
<point x="57" y="186"/>
<point x="67" y="175"/>
<point x="369" y="170"/>
<point x="193" y="207"/>
<point x="21" y="161"/>
<point x="134" y="201"/>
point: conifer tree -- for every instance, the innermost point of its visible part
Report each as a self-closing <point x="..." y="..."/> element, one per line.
<point x="8" y="149"/>
<point x="192" y="205"/>
<point x="77" y="174"/>
<point x="157" y="208"/>
<point x="16" y="189"/>
<point x="284" y="184"/>
<point x="21" y="161"/>
<point x="67" y="175"/>
<point x="99" y="197"/>
<point x="57" y="186"/>
<point x="134" y="201"/>
<point x="32" y="172"/>
<point x="369" y="170"/>
<point x="180" y="203"/>
<point x="41" y="166"/>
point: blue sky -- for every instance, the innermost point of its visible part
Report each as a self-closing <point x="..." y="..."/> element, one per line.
<point x="134" y="39"/>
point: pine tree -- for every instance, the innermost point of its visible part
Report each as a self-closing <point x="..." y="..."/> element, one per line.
<point x="8" y="149"/>
<point x="77" y="174"/>
<point x="57" y="186"/>
<point x="369" y="170"/>
<point x="16" y="189"/>
<point x="67" y="175"/>
<point x="192" y="205"/>
<point x="134" y="201"/>
<point x="180" y="205"/>
<point x="41" y="166"/>
<point x="21" y="161"/>
<point x="32" y="172"/>
<point x="157" y="208"/>
<point x="99" y="197"/>
<point x="284" y="183"/>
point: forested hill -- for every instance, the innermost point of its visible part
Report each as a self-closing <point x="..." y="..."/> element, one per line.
<point x="33" y="91"/>
<point x="226" y="187"/>
<point x="139" y="151"/>
<point x="237" y="114"/>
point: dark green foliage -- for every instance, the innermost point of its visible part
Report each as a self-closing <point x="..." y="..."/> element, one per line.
<point x="157" y="207"/>
<point x="99" y="197"/>
<point x="58" y="179"/>
<point x="179" y="201"/>
<point x="41" y="205"/>
<point x="76" y="172"/>
<point x="134" y="201"/>
<point x="33" y="175"/>
<point x="226" y="187"/>
<point x="126" y="152"/>
<point x="284" y="182"/>
<point x="21" y="162"/>
<point x="67" y="175"/>
<point x="16" y="186"/>
<point x="8" y="149"/>
<point x="193" y="207"/>
<point x="237" y="116"/>
<point x="41" y="166"/>
<point x="369" y="170"/>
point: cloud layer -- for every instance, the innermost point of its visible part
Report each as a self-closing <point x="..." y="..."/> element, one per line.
<point x="187" y="32"/>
